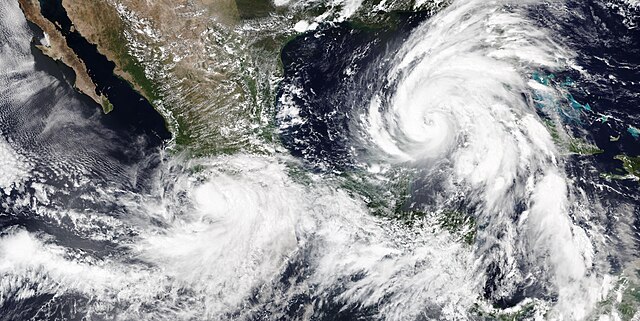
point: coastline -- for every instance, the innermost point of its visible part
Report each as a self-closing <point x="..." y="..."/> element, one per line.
<point x="58" y="50"/>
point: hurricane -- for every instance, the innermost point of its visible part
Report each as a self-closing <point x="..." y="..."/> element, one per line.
<point x="460" y="94"/>
<point x="442" y="169"/>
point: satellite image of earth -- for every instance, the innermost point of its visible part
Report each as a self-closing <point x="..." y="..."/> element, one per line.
<point x="319" y="160"/>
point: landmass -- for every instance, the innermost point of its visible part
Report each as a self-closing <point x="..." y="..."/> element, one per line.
<point x="569" y="144"/>
<point x="210" y="67"/>
<point x="99" y="23"/>
<point x="631" y="166"/>
<point x="58" y="50"/>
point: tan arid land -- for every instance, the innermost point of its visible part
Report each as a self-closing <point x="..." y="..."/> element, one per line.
<point x="203" y="59"/>
<point x="98" y="22"/>
<point x="210" y="67"/>
<point x="58" y="50"/>
<point x="195" y="61"/>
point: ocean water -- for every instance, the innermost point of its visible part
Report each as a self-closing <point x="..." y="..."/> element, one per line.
<point x="427" y="174"/>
